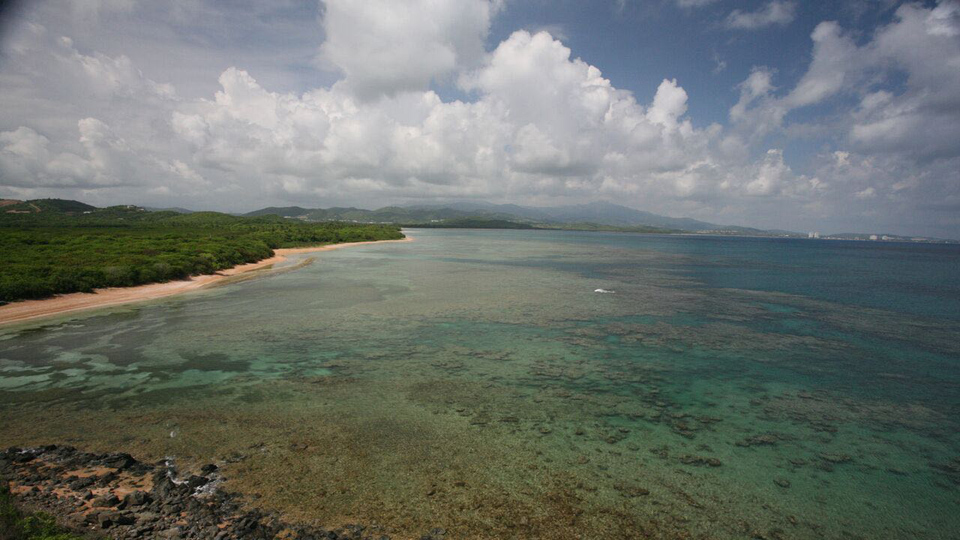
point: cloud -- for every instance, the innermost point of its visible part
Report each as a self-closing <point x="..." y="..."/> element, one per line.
<point x="543" y="122"/>
<point x="523" y="120"/>
<point x="921" y="121"/>
<point x="384" y="47"/>
<point x="924" y="119"/>
<point x="758" y="85"/>
<point x="899" y="144"/>
<point x="557" y="31"/>
<point x="834" y="63"/>
<point x="757" y="113"/>
<point x="694" y="3"/>
<point x="669" y="105"/>
<point x="93" y="8"/>
<point x="26" y="159"/>
<point x="719" y="64"/>
<point x="770" y="175"/>
<point x="774" y="13"/>
<point x="84" y="121"/>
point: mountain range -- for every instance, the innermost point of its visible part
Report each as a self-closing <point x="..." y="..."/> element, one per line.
<point x="596" y="216"/>
<point x="595" y="213"/>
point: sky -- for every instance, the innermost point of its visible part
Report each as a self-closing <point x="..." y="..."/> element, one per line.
<point x="834" y="116"/>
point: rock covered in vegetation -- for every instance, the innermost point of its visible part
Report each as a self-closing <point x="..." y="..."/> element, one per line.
<point x="116" y="495"/>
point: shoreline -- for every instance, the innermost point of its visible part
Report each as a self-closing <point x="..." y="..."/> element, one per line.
<point x="115" y="494"/>
<point x="27" y="310"/>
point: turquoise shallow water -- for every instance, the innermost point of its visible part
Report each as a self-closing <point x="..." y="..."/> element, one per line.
<point x="473" y="380"/>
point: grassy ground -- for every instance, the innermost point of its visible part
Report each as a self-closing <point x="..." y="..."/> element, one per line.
<point x="15" y="524"/>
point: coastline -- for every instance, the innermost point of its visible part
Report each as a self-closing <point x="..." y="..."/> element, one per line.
<point x="27" y="310"/>
<point x="115" y="494"/>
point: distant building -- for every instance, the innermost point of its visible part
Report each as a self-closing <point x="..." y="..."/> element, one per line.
<point x="873" y="237"/>
<point x="813" y="235"/>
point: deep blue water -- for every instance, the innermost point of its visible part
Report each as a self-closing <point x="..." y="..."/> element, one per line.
<point x="915" y="278"/>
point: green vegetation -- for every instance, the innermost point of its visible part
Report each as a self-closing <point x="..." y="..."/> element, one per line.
<point x="53" y="251"/>
<point x="49" y="206"/>
<point x="18" y="525"/>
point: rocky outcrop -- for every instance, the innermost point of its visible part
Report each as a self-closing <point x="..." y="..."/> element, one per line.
<point x="118" y="496"/>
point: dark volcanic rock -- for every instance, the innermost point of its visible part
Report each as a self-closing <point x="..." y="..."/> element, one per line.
<point x="112" y="519"/>
<point x="106" y="500"/>
<point x="23" y="458"/>
<point x="81" y="483"/>
<point x="118" y="461"/>
<point x="136" y="498"/>
<point x="196" y="481"/>
<point x="169" y="510"/>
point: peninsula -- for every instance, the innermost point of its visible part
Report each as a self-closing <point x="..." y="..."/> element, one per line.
<point x="57" y="252"/>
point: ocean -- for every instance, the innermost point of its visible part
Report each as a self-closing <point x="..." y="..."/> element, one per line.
<point x="476" y="381"/>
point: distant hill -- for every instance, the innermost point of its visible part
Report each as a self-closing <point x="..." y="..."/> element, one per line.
<point x="474" y="223"/>
<point x="601" y="213"/>
<point x="595" y="216"/>
<point x="596" y="213"/>
<point x="176" y="209"/>
<point x="59" y="206"/>
<point x="284" y="211"/>
<point x="388" y="214"/>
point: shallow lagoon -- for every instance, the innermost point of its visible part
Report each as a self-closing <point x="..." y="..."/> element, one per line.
<point x="473" y="380"/>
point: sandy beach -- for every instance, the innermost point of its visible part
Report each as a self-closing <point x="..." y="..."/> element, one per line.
<point x="68" y="303"/>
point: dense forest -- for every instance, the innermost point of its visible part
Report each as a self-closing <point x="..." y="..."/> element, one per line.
<point x="52" y="247"/>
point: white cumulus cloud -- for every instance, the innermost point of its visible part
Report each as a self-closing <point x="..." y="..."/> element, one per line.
<point x="774" y="13"/>
<point x="385" y="46"/>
